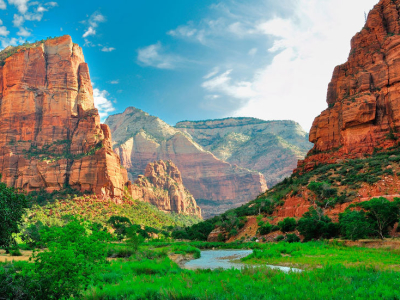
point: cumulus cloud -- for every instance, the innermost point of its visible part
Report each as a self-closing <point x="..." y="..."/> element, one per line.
<point x="3" y="4"/>
<point x="94" y="20"/>
<point x="107" y="49"/>
<point x="23" y="32"/>
<point x="18" y="20"/>
<point x="4" y="31"/>
<point x="305" y="50"/>
<point x="224" y="84"/>
<point x="22" y="5"/>
<point x="101" y="102"/>
<point x="5" y="42"/>
<point x="155" y="56"/>
<point x="89" y="31"/>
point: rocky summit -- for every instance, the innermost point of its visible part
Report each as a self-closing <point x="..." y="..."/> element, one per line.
<point x="216" y="185"/>
<point x="161" y="185"/>
<point x="270" y="147"/>
<point x="50" y="131"/>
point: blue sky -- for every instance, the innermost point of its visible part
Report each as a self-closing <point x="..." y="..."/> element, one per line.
<point x="193" y="60"/>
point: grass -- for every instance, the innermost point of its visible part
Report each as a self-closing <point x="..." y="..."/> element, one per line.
<point x="318" y="254"/>
<point x="163" y="279"/>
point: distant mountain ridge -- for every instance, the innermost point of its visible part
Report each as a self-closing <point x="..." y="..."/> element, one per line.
<point x="216" y="185"/>
<point x="220" y="160"/>
<point x="270" y="147"/>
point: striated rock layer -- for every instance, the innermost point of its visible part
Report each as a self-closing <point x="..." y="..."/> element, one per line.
<point x="269" y="147"/>
<point x="364" y="94"/>
<point x="216" y="185"/>
<point x="50" y="131"/>
<point x="162" y="186"/>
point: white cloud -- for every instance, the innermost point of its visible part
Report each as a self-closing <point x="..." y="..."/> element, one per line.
<point x="4" y="31"/>
<point x="107" y="49"/>
<point x="23" y="32"/>
<point x="18" y="20"/>
<point x="114" y="81"/>
<point x="93" y="22"/>
<point x="5" y="42"/>
<point x="253" y="51"/>
<point x="224" y="84"/>
<point x="52" y="4"/>
<point x="212" y="73"/>
<point x="3" y="4"/>
<point x="307" y="45"/>
<point x="101" y="102"/>
<point x="155" y="56"/>
<point x="89" y="31"/>
<point x="22" y="5"/>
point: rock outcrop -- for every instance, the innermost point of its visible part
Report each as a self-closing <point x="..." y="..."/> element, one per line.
<point x="162" y="186"/>
<point x="216" y="185"/>
<point x="364" y="94"/>
<point x="50" y="131"/>
<point x="270" y="147"/>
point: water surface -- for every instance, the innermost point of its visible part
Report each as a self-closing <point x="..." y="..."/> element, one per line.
<point x="225" y="259"/>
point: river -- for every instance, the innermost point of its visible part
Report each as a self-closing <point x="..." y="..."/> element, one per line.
<point x="226" y="259"/>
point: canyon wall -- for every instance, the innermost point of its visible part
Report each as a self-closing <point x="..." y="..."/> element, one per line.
<point x="162" y="186"/>
<point x="50" y="131"/>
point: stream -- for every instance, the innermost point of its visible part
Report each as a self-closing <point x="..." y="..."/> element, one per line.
<point x="214" y="259"/>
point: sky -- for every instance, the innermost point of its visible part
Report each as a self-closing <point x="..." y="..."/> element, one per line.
<point x="196" y="60"/>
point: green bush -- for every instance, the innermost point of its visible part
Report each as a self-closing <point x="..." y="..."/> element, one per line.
<point x="381" y="214"/>
<point x="354" y="225"/>
<point x="292" y="238"/>
<point x="315" y="225"/>
<point x="12" y="207"/>
<point x="71" y="263"/>
<point x="279" y="238"/>
<point x="287" y="225"/>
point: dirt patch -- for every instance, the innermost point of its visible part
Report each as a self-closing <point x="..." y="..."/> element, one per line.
<point x="387" y="243"/>
<point x="26" y="254"/>
<point x="181" y="259"/>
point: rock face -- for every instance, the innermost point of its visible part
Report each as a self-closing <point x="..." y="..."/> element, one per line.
<point x="50" y="131"/>
<point x="364" y="94"/>
<point x="216" y="185"/>
<point x="162" y="186"/>
<point x="270" y="147"/>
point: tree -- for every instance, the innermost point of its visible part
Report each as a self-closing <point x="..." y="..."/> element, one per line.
<point x="74" y="256"/>
<point x="12" y="208"/>
<point x="354" y="225"/>
<point x="287" y="225"/>
<point x="134" y="239"/>
<point x="381" y="214"/>
<point x="315" y="225"/>
<point x="120" y="225"/>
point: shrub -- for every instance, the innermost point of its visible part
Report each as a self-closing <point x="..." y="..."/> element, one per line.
<point x="315" y="225"/>
<point x="381" y="214"/>
<point x="279" y="238"/>
<point x="12" y="207"/>
<point x="292" y="238"/>
<point x="287" y="225"/>
<point x="354" y="225"/>
<point x="71" y="262"/>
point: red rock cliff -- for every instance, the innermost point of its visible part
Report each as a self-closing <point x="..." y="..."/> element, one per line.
<point x="50" y="131"/>
<point x="162" y="186"/>
<point x="364" y="94"/>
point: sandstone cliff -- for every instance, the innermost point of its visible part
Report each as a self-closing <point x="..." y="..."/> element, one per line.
<point x="162" y="186"/>
<point x="363" y="96"/>
<point x="216" y="185"/>
<point x="270" y="147"/>
<point x="50" y="131"/>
